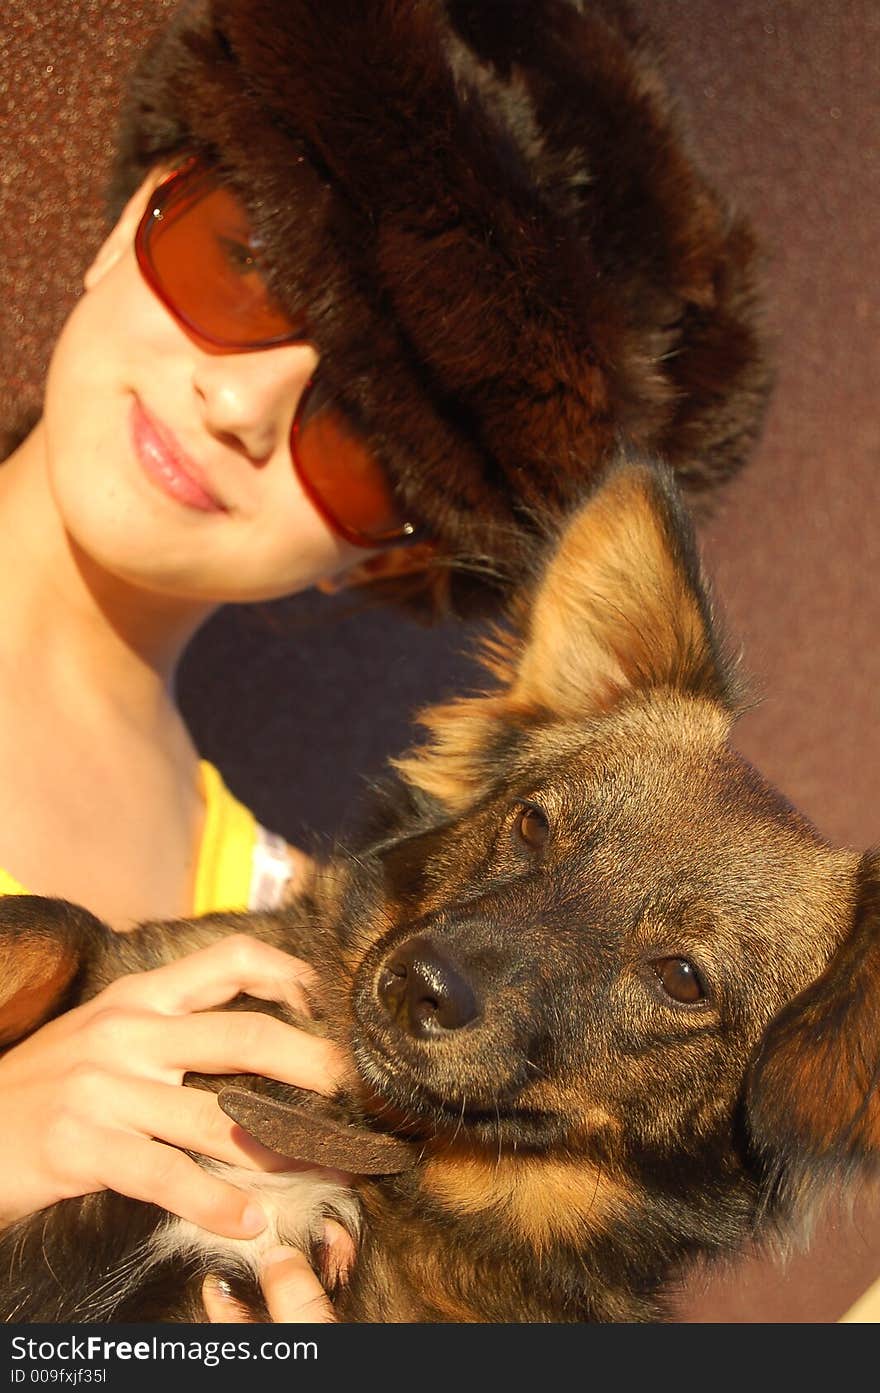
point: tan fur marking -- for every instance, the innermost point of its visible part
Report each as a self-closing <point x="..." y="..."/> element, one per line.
<point x="449" y="769"/>
<point x="590" y="1124"/>
<point x="544" y="1200"/>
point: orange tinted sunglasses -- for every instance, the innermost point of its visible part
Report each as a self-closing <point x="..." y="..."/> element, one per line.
<point x="197" y="252"/>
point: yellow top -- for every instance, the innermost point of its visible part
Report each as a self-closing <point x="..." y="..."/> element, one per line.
<point x="225" y="860"/>
<point x="240" y="865"/>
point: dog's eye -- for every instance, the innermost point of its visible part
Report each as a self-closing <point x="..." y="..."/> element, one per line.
<point x="679" y="979"/>
<point x="532" y="827"/>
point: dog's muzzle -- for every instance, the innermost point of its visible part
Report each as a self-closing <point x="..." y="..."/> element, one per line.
<point x="423" y="993"/>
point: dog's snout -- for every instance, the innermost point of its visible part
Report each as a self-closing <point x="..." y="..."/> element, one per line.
<point x="423" y="992"/>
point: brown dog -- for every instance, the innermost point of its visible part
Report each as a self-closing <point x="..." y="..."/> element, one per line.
<point x="611" y="1002"/>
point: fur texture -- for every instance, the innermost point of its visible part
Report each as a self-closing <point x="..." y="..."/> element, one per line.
<point x="616" y="991"/>
<point x="492" y="222"/>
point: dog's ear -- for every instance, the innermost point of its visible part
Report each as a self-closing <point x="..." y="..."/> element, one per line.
<point x="40" y="956"/>
<point x="813" y="1097"/>
<point x="621" y="606"/>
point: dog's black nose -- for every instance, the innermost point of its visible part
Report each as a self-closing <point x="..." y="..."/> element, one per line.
<point x="423" y="992"/>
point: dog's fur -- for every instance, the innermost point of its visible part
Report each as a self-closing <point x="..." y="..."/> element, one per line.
<point x="619" y="993"/>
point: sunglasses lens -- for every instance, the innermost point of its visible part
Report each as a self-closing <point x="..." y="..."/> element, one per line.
<point x="342" y="478"/>
<point x="196" y="249"/>
<point x="202" y="259"/>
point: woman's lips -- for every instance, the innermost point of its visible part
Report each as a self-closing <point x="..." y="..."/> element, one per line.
<point x="166" y="465"/>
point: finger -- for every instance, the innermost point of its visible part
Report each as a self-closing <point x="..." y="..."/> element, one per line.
<point x="158" y="1174"/>
<point x="189" y="1118"/>
<point x="293" y="1293"/>
<point x="221" y="1307"/>
<point x="214" y="975"/>
<point x="239" y="1042"/>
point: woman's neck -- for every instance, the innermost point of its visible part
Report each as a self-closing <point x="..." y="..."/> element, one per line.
<point x="107" y="645"/>
<point x="100" y="799"/>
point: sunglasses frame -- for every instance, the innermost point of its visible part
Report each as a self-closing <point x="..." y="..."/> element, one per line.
<point x="166" y="190"/>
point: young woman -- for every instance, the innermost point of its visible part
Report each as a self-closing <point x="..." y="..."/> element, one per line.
<point x="158" y="483"/>
<point x="357" y="316"/>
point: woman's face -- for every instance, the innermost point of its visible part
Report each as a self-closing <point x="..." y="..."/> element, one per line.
<point x="169" y="463"/>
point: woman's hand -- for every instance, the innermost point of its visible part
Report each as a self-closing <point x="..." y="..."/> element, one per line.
<point x="90" y="1101"/>
<point x="293" y="1292"/>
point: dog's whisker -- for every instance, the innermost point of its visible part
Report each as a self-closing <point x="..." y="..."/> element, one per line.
<point x="105" y="1297"/>
<point x="530" y="1064"/>
<point x="460" y="1122"/>
<point x="595" y="1189"/>
<point x="45" y="1252"/>
<point x="115" y="1277"/>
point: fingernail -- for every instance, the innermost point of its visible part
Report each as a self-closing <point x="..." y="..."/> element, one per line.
<point x="253" y="1220"/>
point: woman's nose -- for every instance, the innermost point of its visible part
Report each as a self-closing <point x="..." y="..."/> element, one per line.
<point x="250" y="398"/>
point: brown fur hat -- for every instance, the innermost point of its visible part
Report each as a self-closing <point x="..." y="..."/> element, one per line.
<point x="488" y="214"/>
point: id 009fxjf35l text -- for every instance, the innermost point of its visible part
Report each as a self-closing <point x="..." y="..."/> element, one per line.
<point x="63" y="1376"/>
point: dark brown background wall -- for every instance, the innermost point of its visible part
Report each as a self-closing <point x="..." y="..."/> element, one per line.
<point x="301" y="704"/>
